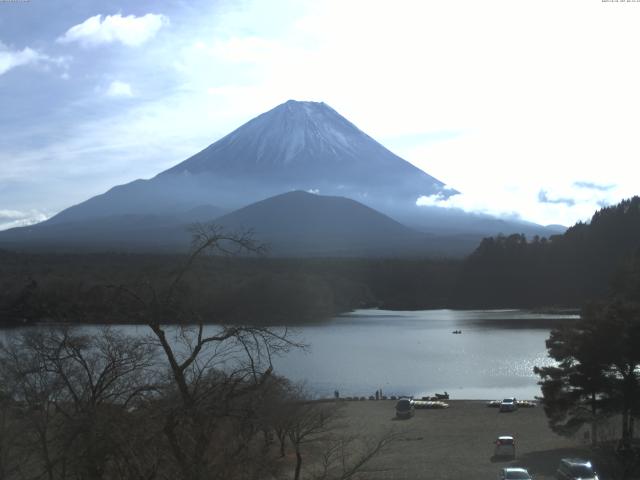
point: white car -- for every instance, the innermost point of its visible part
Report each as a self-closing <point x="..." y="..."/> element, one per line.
<point x="512" y="473"/>
<point x="505" y="446"/>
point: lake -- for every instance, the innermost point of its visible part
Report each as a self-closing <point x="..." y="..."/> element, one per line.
<point x="416" y="353"/>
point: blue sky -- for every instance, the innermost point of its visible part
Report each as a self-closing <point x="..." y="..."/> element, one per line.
<point x="528" y="108"/>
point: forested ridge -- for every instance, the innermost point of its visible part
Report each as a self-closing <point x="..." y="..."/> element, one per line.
<point x="83" y="288"/>
<point x="563" y="271"/>
<point x="584" y="263"/>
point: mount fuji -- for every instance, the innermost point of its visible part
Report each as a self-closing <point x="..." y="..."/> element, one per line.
<point x="295" y="147"/>
<point x="304" y="146"/>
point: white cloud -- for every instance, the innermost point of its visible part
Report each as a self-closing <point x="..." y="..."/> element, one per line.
<point x="27" y="56"/>
<point x="14" y="58"/>
<point x="556" y="203"/>
<point x="131" y="31"/>
<point x="119" y="89"/>
<point x="11" y="214"/>
<point x="17" y="218"/>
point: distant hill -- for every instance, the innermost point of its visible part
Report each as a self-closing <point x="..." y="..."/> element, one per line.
<point x="291" y="224"/>
<point x="451" y="221"/>
<point x="300" y="223"/>
<point x="565" y="270"/>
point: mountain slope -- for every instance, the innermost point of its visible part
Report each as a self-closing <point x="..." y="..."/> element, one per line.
<point x="122" y="232"/>
<point x="295" y="146"/>
<point x="309" y="144"/>
<point x="294" y="224"/>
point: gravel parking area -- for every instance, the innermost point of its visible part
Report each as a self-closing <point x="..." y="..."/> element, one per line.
<point x="457" y="442"/>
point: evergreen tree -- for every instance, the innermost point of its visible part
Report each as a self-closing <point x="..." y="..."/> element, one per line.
<point x="597" y="371"/>
<point x="576" y="391"/>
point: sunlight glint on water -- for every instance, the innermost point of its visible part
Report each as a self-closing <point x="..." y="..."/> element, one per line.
<point x="415" y="353"/>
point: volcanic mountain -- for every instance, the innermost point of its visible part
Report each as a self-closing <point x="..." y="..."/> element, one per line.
<point x="295" y="146"/>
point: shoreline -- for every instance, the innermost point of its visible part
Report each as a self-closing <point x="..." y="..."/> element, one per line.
<point x="544" y="318"/>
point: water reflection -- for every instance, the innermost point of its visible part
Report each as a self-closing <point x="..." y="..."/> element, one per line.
<point x="416" y="353"/>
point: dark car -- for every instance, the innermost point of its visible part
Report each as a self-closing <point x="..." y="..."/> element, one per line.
<point x="575" y="469"/>
<point x="404" y="408"/>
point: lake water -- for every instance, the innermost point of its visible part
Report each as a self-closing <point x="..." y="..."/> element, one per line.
<point x="416" y="353"/>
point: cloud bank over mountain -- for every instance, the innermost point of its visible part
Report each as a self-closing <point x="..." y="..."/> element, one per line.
<point x="16" y="218"/>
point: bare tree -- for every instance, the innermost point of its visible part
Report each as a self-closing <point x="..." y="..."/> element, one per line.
<point x="72" y="391"/>
<point x="274" y="415"/>
<point x="214" y="370"/>
<point x="309" y="422"/>
<point x="345" y="456"/>
<point x="12" y="456"/>
<point x="335" y="454"/>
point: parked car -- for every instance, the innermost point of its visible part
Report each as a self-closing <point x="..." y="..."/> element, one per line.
<point x="512" y="473"/>
<point x="505" y="446"/>
<point x="404" y="408"/>
<point x="508" y="404"/>
<point x="576" y="469"/>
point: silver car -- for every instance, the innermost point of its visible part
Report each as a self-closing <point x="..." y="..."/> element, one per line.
<point x="574" y="469"/>
<point x="512" y="473"/>
<point x="505" y="446"/>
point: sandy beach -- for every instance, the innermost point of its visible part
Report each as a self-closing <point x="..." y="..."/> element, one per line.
<point x="457" y="442"/>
